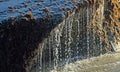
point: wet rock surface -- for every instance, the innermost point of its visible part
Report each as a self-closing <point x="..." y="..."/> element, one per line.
<point x="26" y="24"/>
<point x="94" y="39"/>
<point x="13" y="8"/>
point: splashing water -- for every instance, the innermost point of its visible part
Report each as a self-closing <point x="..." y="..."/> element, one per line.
<point x="103" y="63"/>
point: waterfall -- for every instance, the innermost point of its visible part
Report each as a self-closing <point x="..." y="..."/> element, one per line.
<point x="50" y="59"/>
<point x="78" y="38"/>
<point x="88" y="30"/>
<point x="74" y="38"/>
<point x="38" y="65"/>
<point x="51" y="34"/>
<point x="69" y="30"/>
<point x="40" y="58"/>
<point x="56" y="47"/>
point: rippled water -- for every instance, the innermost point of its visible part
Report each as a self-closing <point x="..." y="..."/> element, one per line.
<point x="103" y="63"/>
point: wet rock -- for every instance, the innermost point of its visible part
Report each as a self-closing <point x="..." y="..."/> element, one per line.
<point x="11" y="7"/>
<point x="46" y="9"/>
<point x="29" y="15"/>
<point x="23" y="34"/>
<point x="25" y="19"/>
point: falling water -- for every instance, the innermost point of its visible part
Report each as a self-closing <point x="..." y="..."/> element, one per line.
<point x="50" y="59"/>
<point x="78" y="37"/>
<point x="56" y="47"/>
<point x="38" y="65"/>
<point x="40" y="59"/>
<point x="69" y="37"/>
<point x="84" y="41"/>
<point x="88" y="26"/>
<point x="71" y="40"/>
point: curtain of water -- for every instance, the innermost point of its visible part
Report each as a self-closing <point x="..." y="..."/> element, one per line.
<point x="70" y="22"/>
<point x="81" y="31"/>
<point x="85" y="34"/>
<point x="78" y="38"/>
<point x="68" y="38"/>
<point x="88" y="31"/>
<point x="50" y="51"/>
<point x="39" y="65"/>
<point x="92" y="31"/>
<point x="44" y="60"/>
<point x="84" y="46"/>
<point x="60" y="45"/>
<point x="56" y="47"/>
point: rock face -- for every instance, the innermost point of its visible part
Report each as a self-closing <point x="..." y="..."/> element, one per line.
<point x="111" y="21"/>
<point x="89" y="29"/>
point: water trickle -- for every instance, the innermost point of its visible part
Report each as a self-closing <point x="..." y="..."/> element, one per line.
<point x="88" y="31"/>
<point x="40" y="60"/>
<point x="69" y="38"/>
<point x="56" y="47"/>
<point x="50" y="52"/>
<point x="78" y="38"/>
<point x="38" y="63"/>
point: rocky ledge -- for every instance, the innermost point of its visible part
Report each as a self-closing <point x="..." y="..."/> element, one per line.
<point x="25" y="24"/>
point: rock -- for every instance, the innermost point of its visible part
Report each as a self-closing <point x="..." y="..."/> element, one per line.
<point x="29" y="15"/>
<point x="46" y="9"/>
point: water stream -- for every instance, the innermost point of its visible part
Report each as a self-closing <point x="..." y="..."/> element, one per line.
<point x="72" y="40"/>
